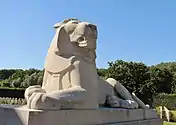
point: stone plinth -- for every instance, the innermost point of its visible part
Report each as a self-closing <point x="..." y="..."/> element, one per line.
<point x="11" y="115"/>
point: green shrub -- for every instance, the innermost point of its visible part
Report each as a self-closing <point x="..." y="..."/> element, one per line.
<point x="172" y="115"/>
<point x="167" y="100"/>
<point x="158" y="110"/>
<point x="169" y="123"/>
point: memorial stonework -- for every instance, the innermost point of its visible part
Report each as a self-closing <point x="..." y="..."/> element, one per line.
<point x="70" y="78"/>
<point x="99" y="116"/>
<point x="72" y="93"/>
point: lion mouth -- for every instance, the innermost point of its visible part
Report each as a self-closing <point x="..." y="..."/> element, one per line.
<point x="89" y="43"/>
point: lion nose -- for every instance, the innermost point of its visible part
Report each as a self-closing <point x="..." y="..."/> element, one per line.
<point x="93" y="32"/>
<point x="93" y="27"/>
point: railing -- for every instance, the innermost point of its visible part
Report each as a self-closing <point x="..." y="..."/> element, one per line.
<point x="12" y="101"/>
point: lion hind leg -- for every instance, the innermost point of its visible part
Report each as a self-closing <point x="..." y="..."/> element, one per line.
<point x="116" y="102"/>
<point x="123" y="92"/>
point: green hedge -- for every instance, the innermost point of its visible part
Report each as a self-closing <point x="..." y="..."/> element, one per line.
<point x="169" y="123"/>
<point x="172" y="115"/>
<point x="10" y="88"/>
<point x="167" y="100"/>
<point x="12" y="92"/>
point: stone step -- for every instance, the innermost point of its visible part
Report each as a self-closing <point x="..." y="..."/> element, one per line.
<point x="11" y="115"/>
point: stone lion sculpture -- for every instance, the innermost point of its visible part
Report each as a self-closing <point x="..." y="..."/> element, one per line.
<point x="70" y="79"/>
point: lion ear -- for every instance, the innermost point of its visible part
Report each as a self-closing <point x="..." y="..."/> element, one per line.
<point x="57" y="25"/>
<point x="62" y="38"/>
<point x="55" y="63"/>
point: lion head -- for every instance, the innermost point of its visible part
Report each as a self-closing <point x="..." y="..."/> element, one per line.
<point x="83" y="34"/>
<point x="73" y="38"/>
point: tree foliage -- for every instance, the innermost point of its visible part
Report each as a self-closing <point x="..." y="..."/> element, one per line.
<point x="145" y="81"/>
<point x="20" y="78"/>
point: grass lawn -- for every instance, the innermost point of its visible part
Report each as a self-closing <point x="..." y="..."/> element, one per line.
<point x="169" y="123"/>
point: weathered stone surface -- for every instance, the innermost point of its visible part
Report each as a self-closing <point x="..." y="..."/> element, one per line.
<point x="112" y="116"/>
<point x="140" y="122"/>
<point x="71" y="82"/>
<point x="70" y="78"/>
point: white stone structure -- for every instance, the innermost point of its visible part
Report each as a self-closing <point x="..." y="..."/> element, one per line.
<point x="71" y="82"/>
<point x="101" y="116"/>
<point x="70" y="79"/>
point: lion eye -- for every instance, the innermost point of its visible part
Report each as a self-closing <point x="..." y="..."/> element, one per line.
<point x="74" y="22"/>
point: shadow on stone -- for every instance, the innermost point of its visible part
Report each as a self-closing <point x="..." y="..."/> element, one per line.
<point x="10" y="116"/>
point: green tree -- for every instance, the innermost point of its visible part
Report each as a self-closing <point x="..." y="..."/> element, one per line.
<point x="5" y="83"/>
<point x="132" y="75"/>
<point x="40" y="77"/>
<point x="24" y="83"/>
<point x="32" y="80"/>
<point x="16" y="83"/>
<point x="31" y="71"/>
<point x="102" y="72"/>
<point x="6" y="73"/>
<point x="171" y="67"/>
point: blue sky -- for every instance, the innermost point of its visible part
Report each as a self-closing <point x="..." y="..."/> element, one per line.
<point x="131" y="30"/>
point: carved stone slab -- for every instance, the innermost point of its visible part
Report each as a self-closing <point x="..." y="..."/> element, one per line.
<point x="103" y="116"/>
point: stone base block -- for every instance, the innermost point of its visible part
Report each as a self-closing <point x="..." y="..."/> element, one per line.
<point x="13" y="115"/>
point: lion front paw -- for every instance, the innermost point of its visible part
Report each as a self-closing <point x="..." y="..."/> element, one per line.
<point x="35" y="100"/>
<point x="33" y="89"/>
<point x="34" y="95"/>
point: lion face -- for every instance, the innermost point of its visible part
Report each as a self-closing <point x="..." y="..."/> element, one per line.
<point x="82" y="33"/>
